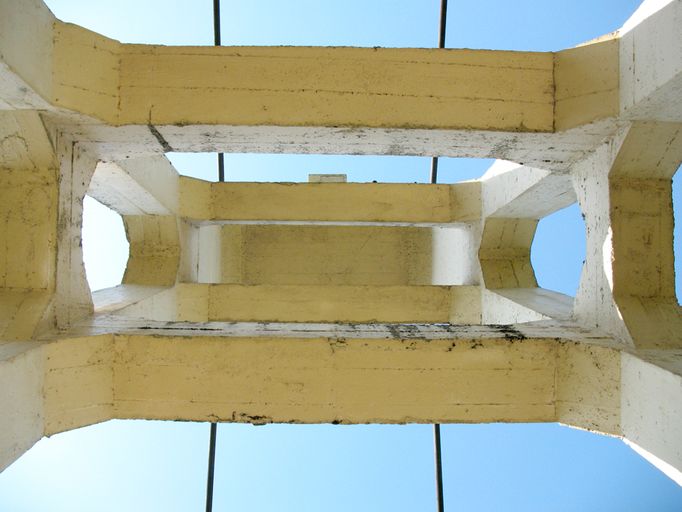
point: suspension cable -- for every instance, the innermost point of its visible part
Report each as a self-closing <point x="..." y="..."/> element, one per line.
<point x="441" y="44"/>
<point x="216" y="42"/>
<point x="211" y="467"/>
<point x="221" y="177"/>
<point x="440" y="503"/>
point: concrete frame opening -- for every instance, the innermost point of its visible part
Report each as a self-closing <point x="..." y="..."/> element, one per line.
<point x="105" y="246"/>
<point x="296" y="167"/>
<point x="558" y="250"/>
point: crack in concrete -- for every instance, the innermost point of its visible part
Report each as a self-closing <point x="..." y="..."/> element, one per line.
<point x="164" y="143"/>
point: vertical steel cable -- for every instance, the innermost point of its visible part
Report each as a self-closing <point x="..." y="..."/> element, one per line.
<point x="443" y="20"/>
<point x="221" y="177"/>
<point x="211" y="467"/>
<point x="441" y="44"/>
<point x="216" y="22"/>
<point x="439" y="468"/>
<point x="216" y="42"/>
<point x="440" y="503"/>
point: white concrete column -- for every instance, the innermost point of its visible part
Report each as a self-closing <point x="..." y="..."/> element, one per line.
<point x="624" y="189"/>
<point x="28" y="224"/>
<point x="72" y="297"/>
<point x="651" y="408"/>
<point x="21" y="381"/>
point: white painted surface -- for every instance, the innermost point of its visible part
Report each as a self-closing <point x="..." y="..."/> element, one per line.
<point x="646" y="9"/>
<point x="327" y="178"/>
<point x="454" y="259"/>
<point x="651" y="62"/>
<point x="210" y="254"/>
<point x="115" y="188"/>
<point x="21" y="401"/>
<point x="651" y="412"/>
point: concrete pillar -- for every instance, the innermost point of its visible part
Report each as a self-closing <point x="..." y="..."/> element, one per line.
<point x="72" y="300"/>
<point x="627" y="286"/>
<point x="28" y="226"/>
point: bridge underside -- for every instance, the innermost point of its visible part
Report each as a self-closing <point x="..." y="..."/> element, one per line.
<point x="335" y="302"/>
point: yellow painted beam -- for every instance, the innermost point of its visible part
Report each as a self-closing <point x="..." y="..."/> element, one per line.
<point x="86" y="72"/>
<point x="408" y="203"/>
<point x="78" y="382"/>
<point x="154" y="250"/>
<point x="587" y="84"/>
<point x="124" y="84"/>
<point x="326" y="380"/>
<point x="306" y="303"/>
<point x="372" y="87"/>
<point x="368" y="202"/>
<point x="28" y="224"/>
<point x="505" y="253"/>
<point x="316" y="379"/>
<point x="340" y="255"/>
<point x="311" y="303"/>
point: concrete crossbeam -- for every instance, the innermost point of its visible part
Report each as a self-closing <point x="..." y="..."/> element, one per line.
<point x="93" y="75"/>
<point x="329" y="202"/>
<point x="310" y="303"/>
<point x="141" y="186"/>
<point x="516" y="191"/>
<point x="443" y="376"/>
<point x="505" y="104"/>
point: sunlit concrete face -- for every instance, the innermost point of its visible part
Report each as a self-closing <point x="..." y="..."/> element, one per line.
<point x="339" y="302"/>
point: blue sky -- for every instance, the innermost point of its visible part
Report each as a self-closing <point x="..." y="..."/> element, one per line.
<point x="138" y="465"/>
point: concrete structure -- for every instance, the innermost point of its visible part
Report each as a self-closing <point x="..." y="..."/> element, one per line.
<point x="339" y="302"/>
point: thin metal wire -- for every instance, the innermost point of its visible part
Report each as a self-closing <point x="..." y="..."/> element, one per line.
<point x="441" y="44"/>
<point x="216" y="22"/>
<point x="443" y="21"/>
<point x="434" y="169"/>
<point x="211" y="467"/>
<point x="216" y="42"/>
<point x="221" y="167"/>
<point x="439" y="468"/>
<point x="440" y="503"/>
<point x="221" y="177"/>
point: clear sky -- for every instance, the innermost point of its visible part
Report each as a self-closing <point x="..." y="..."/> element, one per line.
<point x="142" y="466"/>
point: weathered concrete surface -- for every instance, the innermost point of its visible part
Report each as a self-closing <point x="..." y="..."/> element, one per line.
<point x="338" y="255"/>
<point x="143" y="186"/>
<point x="651" y="63"/>
<point x="651" y="409"/>
<point x="358" y="374"/>
<point x="21" y="375"/>
<point x="624" y="189"/>
<point x="28" y="224"/>
<point x="541" y="109"/>
<point x="349" y="202"/>
<point x="600" y="123"/>
<point x="154" y="250"/>
<point x="494" y="376"/>
<point x="311" y="303"/>
<point x="586" y="83"/>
